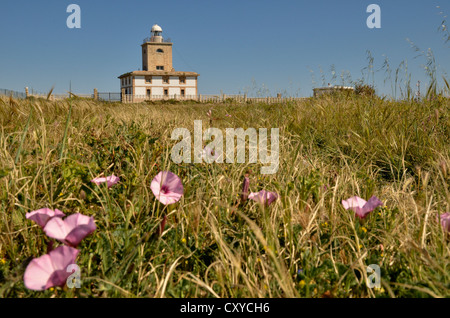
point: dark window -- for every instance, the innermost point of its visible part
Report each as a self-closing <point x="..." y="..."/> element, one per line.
<point x="159" y="51"/>
<point x="166" y="92"/>
<point x="166" y="79"/>
<point x="161" y="68"/>
<point x="182" y="80"/>
<point x="148" y="79"/>
<point x="182" y="92"/>
<point x="149" y="92"/>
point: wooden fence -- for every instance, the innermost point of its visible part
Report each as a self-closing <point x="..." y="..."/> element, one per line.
<point x="128" y="98"/>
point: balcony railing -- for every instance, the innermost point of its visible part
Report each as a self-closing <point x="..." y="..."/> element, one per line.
<point x="149" y="39"/>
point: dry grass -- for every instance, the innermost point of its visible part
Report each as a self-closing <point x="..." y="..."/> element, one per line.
<point x="303" y="245"/>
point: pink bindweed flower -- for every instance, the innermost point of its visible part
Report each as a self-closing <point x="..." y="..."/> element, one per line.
<point x="167" y="187"/>
<point x="263" y="197"/>
<point x="72" y="230"/>
<point x="42" y="216"/>
<point x="210" y="154"/>
<point x="209" y="113"/>
<point x="111" y="180"/>
<point x="360" y="206"/>
<point x="445" y="221"/>
<point x="50" y="269"/>
<point x="228" y="115"/>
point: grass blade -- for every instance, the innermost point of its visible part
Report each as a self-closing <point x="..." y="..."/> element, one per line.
<point x="24" y="134"/>
<point x="61" y="154"/>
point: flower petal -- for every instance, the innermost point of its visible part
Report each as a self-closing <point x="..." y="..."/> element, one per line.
<point x="353" y="202"/>
<point x="263" y="197"/>
<point x="445" y="221"/>
<point x="50" y="269"/>
<point x="42" y="216"/>
<point x="79" y="233"/>
<point x="56" y="228"/>
<point x="372" y="204"/>
<point x="110" y="180"/>
<point x="72" y="230"/>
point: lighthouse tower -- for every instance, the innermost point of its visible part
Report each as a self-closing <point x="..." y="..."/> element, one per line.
<point x="156" y="54"/>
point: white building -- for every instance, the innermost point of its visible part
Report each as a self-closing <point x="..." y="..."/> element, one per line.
<point x="158" y="79"/>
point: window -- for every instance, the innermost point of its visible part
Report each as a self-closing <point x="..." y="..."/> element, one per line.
<point x="159" y="51"/>
<point x="149" y="92"/>
<point x="166" y="79"/>
<point x="182" y="92"/>
<point x="160" y="68"/>
<point x="148" y="79"/>
<point x="182" y="80"/>
<point x="166" y="92"/>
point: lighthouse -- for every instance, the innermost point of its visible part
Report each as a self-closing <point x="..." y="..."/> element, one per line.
<point x="158" y="79"/>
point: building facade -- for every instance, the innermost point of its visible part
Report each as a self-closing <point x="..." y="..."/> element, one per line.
<point x="158" y="79"/>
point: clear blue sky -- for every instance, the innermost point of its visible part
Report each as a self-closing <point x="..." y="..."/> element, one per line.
<point x="235" y="45"/>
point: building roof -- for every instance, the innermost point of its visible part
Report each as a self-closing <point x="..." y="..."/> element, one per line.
<point x="156" y="28"/>
<point x="159" y="73"/>
<point x="335" y="87"/>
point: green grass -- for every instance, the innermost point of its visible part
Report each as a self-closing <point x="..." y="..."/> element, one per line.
<point x="303" y="245"/>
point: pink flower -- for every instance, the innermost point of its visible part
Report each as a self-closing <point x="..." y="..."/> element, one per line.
<point x="263" y="197"/>
<point x="50" y="269"/>
<point x="228" y="115"/>
<point x="167" y="187"/>
<point x="209" y="113"/>
<point x="360" y="206"/>
<point x="42" y="216"/>
<point x="112" y="180"/>
<point x="445" y="221"/>
<point x="210" y="154"/>
<point x="71" y="230"/>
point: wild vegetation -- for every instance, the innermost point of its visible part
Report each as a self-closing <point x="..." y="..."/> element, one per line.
<point x="304" y="244"/>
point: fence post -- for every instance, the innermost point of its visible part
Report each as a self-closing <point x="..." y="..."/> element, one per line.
<point x="122" y="95"/>
<point x="95" y="94"/>
<point x="26" y="92"/>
